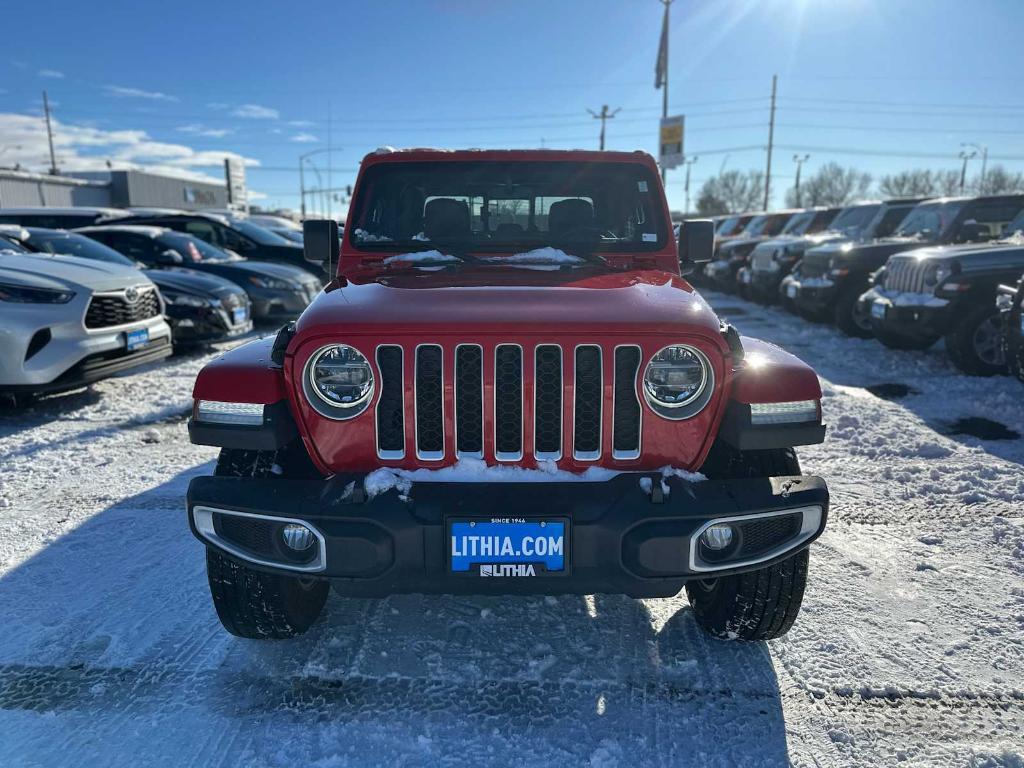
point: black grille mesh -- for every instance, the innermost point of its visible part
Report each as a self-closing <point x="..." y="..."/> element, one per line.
<point x="429" y="392"/>
<point x="250" y="534"/>
<point x="587" y="416"/>
<point x="548" y="397"/>
<point x="508" y="399"/>
<point x="469" y="399"/>
<point x="760" y="536"/>
<point x="390" y="411"/>
<point x="626" y="423"/>
<point x="107" y="311"/>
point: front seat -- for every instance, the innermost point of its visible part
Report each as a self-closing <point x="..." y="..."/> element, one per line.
<point x="446" y="219"/>
<point x="568" y="215"/>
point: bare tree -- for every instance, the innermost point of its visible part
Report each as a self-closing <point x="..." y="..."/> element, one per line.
<point x="831" y="185"/>
<point x="920" y="182"/>
<point x="731" y="192"/>
<point x="998" y="181"/>
<point x="947" y="182"/>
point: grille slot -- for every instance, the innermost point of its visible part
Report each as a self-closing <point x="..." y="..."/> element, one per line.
<point x="764" y="535"/>
<point x="907" y="275"/>
<point x="547" y="403"/>
<point x="429" y="386"/>
<point x="508" y="402"/>
<point x="391" y="406"/>
<point x="626" y="406"/>
<point x="109" y="310"/>
<point x="587" y="406"/>
<point x="469" y="401"/>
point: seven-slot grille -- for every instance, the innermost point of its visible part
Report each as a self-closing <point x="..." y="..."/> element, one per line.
<point x="906" y="274"/>
<point x="763" y="260"/>
<point x="423" y="370"/>
<point x="110" y="309"/>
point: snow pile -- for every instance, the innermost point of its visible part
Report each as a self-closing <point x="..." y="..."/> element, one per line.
<point x="422" y="258"/>
<point x="647" y="483"/>
<point x="912" y="299"/>
<point x="368" y="237"/>
<point x="539" y="256"/>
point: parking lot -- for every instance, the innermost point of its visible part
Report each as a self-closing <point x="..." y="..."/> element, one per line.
<point x="911" y="647"/>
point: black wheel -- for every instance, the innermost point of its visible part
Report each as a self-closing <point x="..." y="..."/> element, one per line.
<point x="851" y="317"/>
<point x="250" y="603"/>
<point x="899" y="341"/>
<point x="975" y="343"/>
<point x="761" y="604"/>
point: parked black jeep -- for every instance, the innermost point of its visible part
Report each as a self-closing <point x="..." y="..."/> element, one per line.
<point x="773" y="261"/>
<point x="1009" y="300"/>
<point x="834" y="276"/>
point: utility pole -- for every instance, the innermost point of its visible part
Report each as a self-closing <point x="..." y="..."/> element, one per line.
<point x="984" y="163"/>
<point x="49" y="135"/>
<point x="661" y="69"/>
<point x="799" y="164"/>
<point x="603" y="117"/>
<point x="965" y="156"/>
<point x="302" y="185"/>
<point x="330" y="154"/>
<point x="688" y="162"/>
<point x="771" y="142"/>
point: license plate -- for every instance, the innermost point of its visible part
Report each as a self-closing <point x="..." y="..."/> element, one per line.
<point x="136" y="339"/>
<point x="745" y="278"/>
<point x="878" y="310"/>
<point x="239" y="315"/>
<point x="507" y="547"/>
<point x="792" y="290"/>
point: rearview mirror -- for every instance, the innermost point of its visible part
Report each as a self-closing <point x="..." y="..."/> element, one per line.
<point x="170" y="258"/>
<point x="973" y="232"/>
<point x="696" y="241"/>
<point x="320" y="242"/>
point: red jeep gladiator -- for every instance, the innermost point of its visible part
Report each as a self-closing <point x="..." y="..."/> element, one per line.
<point x="507" y="388"/>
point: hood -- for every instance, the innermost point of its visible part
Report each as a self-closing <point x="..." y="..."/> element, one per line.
<point x="46" y="270"/>
<point x="970" y="257"/>
<point x="508" y="300"/>
<point x="243" y="268"/>
<point x="190" y="281"/>
<point x="861" y="256"/>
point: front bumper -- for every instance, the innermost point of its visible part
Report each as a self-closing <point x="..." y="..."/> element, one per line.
<point x="270" y="304"/>
<point x="910" y="320"/>
<point x="765" y="283"/>
<point x="619" y="539"/>
<point x="722" y="273"/>
<point x="813" y="294"/>
<point x="195" y="325"/>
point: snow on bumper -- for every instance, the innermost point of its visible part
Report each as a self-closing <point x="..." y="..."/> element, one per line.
<point x="621" y="535"/>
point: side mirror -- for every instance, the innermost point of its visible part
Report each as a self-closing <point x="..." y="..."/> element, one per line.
<point x="973" y="232"/>
<point x="320" y="241"/>
<point x="696" y="241"/>
<point x="170" y="258"/>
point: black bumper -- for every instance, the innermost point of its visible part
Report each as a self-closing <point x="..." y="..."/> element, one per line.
<point x="915" y="322"/>
<point x="619" y="538"/>
<point x="206" y="325"/>
<point x="765" y="284"/>
<point x="817" y="297"/>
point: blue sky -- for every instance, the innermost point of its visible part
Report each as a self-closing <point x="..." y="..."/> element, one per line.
<point x="879" y="84"/>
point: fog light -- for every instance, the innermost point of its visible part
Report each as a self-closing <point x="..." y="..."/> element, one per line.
<point x="717" y="537"/>
<point x="297" y="537"/>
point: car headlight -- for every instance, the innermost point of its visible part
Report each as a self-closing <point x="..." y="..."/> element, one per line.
<point x="338" y="381"/>
<point x="678" y="382"/>
<point x="269" y="282"/>
<point x="20" y="294"/>
<point x="184" y="300"/>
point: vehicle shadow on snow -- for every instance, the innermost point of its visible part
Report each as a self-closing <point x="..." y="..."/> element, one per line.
<point x="114" y="617"/>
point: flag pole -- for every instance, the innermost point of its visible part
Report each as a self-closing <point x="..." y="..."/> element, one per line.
<point x="664" y="76"/>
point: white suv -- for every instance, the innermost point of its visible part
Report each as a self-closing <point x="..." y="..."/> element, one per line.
<point x="66" y="322"/>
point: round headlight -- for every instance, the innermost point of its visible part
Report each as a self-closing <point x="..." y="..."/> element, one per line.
<point x="338" y="381"/>
<point x="678" y="382"/>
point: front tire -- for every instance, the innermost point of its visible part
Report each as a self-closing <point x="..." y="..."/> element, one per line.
<point x="850" y="317"/>
<point x="250" y="603"/>
<point x="760" y="604"/>
<point x="975" y="345"/>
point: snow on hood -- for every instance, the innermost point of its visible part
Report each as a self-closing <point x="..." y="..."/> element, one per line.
<point x="542" y="256"/>
<point x="422" y="258"/>
<point x="476" y="471"/>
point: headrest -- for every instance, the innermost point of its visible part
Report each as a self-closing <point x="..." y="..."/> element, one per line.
<point x="445" y="218"/>
<point x="566" y="215"/>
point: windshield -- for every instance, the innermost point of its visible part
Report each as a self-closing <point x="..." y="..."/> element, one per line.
<point x="851" y="221"/>
<point x="929" y="219"/>
<point x="756" y="226"/>
<point x="799" y="223"/>
<point x="509" y="206"/>
<point x="192" y="248"/>
<point x="1016" y="225"/>
<point x="71" y="244"/>
<point x="257" y="233"/>
<point x="728" y="226"/>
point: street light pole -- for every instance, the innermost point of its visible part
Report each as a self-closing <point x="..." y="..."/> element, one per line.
<point x="984" y="163"/>
<point x="688" y="162"/>
<point x="799" y="164"/>
<point x="303" y="158"/>
<point x="965" y="156"/>
<point x="604" y="116"/>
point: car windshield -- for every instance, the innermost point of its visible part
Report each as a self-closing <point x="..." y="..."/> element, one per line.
<point x="728" y="226"/>
<point x="851" y="221"/>
<point x="258" y="233"/>
<point x="756" y="225"/>
<point x="1016" y="225"/>
<point x="799" y="223"/>
<point x="509" y="207"/>
<point x="192" y="248"/>
<point x="929" y="219"/>
<point x="70" y="244"/>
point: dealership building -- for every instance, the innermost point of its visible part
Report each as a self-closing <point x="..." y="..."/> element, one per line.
<point x="116" y="189"/>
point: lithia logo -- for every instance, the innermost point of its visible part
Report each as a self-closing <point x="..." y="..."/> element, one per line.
<point x="507" y="569"/>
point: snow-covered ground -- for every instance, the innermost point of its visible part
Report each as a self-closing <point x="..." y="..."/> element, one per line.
<point x="909" y="649"/>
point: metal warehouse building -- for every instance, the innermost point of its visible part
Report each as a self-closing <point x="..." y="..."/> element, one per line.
<point x="112" y="189"/>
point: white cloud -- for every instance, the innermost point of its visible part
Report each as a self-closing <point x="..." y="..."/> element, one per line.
<point x="256" y="112"/>
<point x="300" y="123"/>
<point x="85" y="148"/>
<point x="137" y="93"/>
<point x="56" y="74"/>
<point x="195" y="129"/>
<point x="304" y="138"/>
